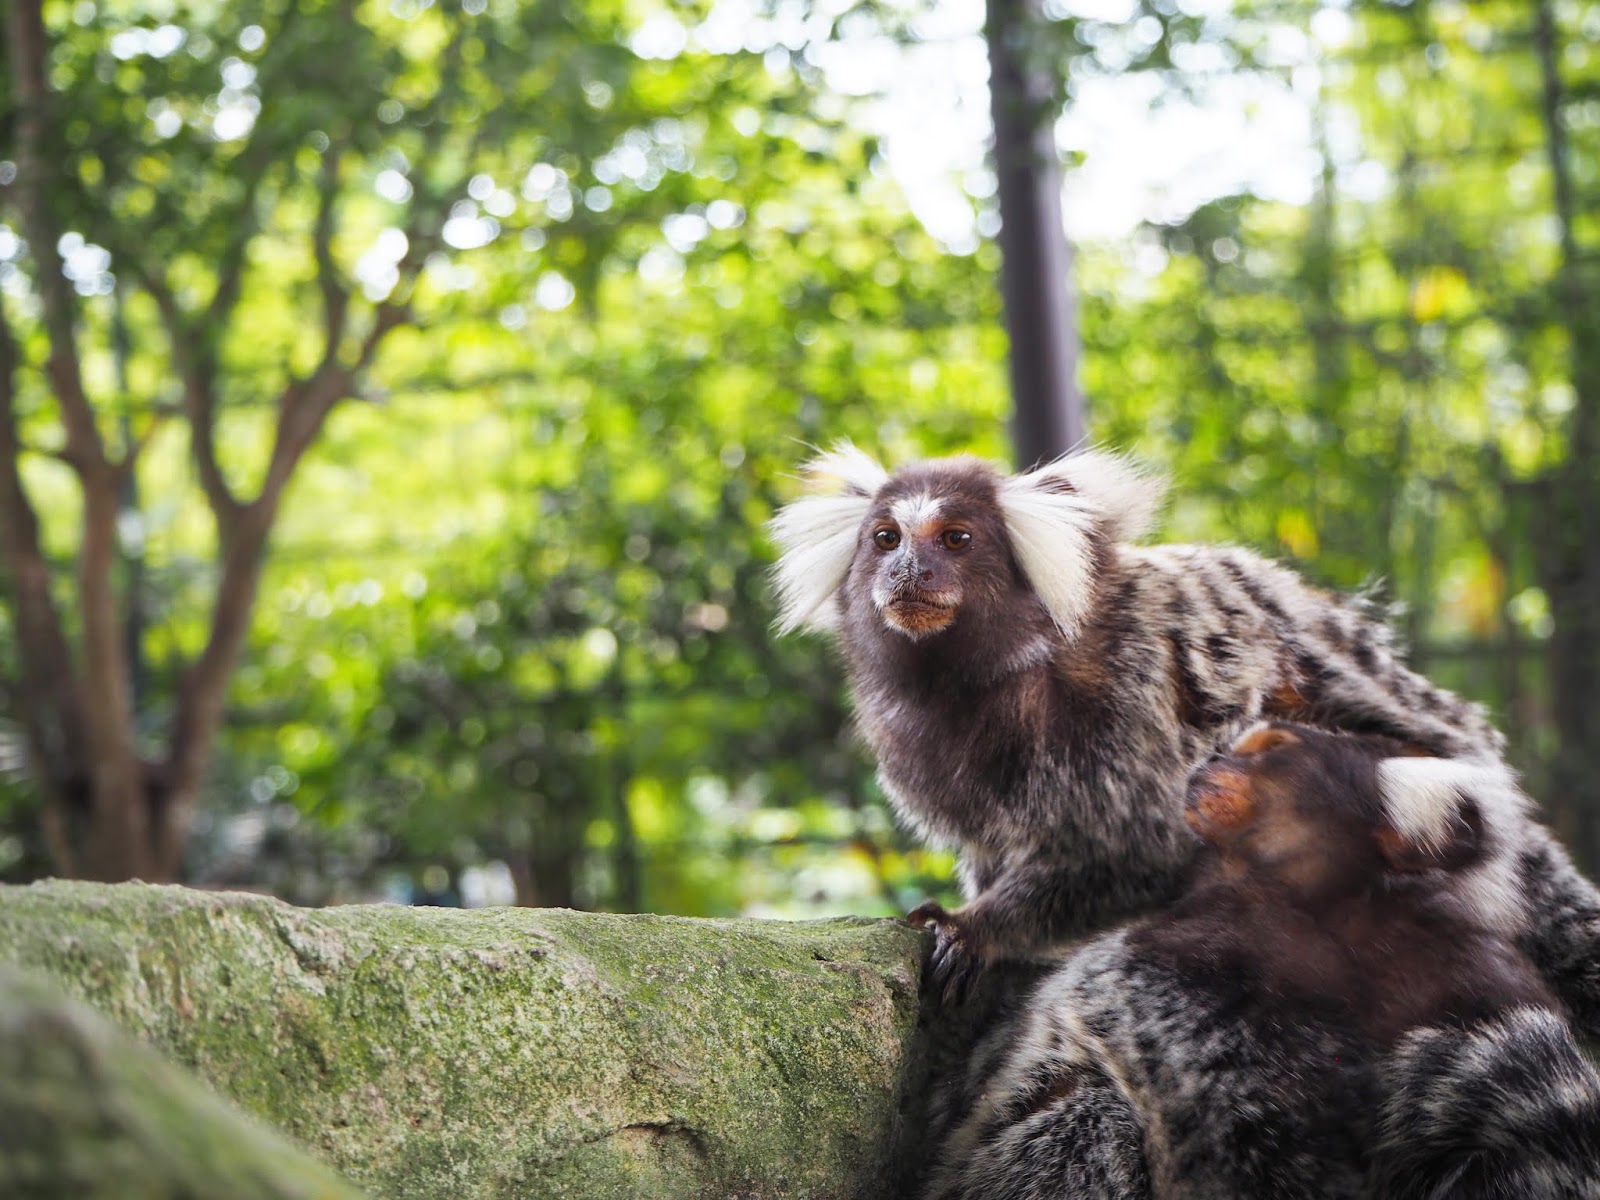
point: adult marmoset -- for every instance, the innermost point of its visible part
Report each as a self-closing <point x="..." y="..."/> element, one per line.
<point x="1035" y="689"/>
<point x="1327" y="1012"/>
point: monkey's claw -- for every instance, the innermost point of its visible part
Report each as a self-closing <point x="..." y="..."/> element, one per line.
<point x="956" y="962"/>
<point x="929" y="912"/>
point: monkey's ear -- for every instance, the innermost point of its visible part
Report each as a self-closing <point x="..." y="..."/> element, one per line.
<point x="1123" y="495"/>
<point x="845" y="469"/>
<point x="1430" y="818"/>
<point x="1260" y="738"/>
<point x="816" y="536"/>
<point x="1053" y="513"/>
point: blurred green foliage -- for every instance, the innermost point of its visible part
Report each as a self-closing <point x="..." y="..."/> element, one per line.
<point x="516" y="610"/>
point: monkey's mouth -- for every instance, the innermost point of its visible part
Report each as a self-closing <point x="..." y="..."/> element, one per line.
<point x="918" y="614"/>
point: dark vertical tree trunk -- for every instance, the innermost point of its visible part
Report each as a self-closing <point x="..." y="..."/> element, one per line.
<point x="1567" y="501"/>
<point x="1036" y="261"/>
<point x="129" y="512"/>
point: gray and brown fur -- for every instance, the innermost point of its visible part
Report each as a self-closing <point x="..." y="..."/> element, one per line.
<point x="1321" y="1015"/>
<point x="1036" y="691"/>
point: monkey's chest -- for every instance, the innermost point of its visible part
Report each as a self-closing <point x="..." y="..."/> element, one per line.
<point x="987" y="775"/>
<point x="954" y="777"/>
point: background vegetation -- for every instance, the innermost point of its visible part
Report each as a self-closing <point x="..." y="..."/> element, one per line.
<point x="392" y="395"/>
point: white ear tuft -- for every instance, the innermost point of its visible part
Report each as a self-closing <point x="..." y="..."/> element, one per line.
<point x="1125" y="496"/>
<point x="1422" y="797"/>
<point x="1050" y="514"/>
<point x="816" y="537"/>
<point x="847" y="469"/>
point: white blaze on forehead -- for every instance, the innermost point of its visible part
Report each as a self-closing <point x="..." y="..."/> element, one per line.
<point x="1422" y="797"/>
<point x="913" y="512"/>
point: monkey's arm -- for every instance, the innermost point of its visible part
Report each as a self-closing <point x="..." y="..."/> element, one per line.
<point x="1042" y="897"/>
<point x="1508" y="1108"/>
<point x="1563" y="938"/>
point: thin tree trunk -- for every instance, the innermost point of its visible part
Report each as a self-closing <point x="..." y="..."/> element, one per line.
<point x="1035" y="258"/>
<point x="1567" y="546"/>
<point x="121" y="845"/>
<point x="203" y="687"/>
<point x="52" y="716"/>
<point x="128" y="511"/>
<point x="546" y="875"/>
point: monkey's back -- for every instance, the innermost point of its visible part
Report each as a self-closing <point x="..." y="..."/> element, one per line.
<point x="1217" y="1089"/>
<point x="1240" y="1048"/>
<point x="1249" y="638"/>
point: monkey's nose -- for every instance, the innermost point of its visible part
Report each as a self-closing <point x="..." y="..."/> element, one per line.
<point x="925" y="574"/>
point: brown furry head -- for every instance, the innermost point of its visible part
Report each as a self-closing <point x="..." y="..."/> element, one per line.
<point x="941" y="539"/>
<point x="1321" y="812"/>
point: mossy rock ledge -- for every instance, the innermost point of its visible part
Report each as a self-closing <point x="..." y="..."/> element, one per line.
<point x="434" y="1053"/>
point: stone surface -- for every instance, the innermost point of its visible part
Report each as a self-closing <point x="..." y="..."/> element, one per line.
<point x="86" y="1113"/>
<point x="435" y="1053"/>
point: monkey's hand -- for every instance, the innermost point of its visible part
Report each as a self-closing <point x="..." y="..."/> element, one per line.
<point x="959" y="955"/>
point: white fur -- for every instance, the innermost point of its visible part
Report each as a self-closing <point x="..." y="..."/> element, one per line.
<point x="913" y="512"/>
<point x="846" y="468"/>
<point x="816" y="536"/>
<point x="1126" y="496"/>
<point x="1050" y="528"/>
<point x="1422" y="799"/>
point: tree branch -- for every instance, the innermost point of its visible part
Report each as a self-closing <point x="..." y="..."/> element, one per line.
<point x="198" y="376"/>
<point x="335" y="296"/>
<point x="255" y="162"/>
<point x="141" y="441"/>
<point x="303" y="409"/>
<point x="251" y="168"/>
<point x="306" y="403"/>
<point x="37" y="161"/>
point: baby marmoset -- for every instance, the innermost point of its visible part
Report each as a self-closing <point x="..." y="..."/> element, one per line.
<point x="1321" y="1015"/>
<point x="1035" y="690"/>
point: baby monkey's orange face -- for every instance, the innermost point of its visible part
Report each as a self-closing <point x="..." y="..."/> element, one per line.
<point x="1223" y="798"/>
<point x="1309" y="810"/>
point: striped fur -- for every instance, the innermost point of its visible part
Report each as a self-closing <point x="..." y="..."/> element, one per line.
<point x="1303" y="1023"/>
<point x="1509" y="1110"/>
<point x="1047" y="738"/>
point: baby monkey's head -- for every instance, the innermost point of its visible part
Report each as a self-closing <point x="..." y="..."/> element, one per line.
<point x="1322" y="813"/>
<point x="952" y="541"/>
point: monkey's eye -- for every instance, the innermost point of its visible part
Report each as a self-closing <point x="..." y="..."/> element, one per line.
<point x="886" y="539"/>
<point x="955" y="539"/>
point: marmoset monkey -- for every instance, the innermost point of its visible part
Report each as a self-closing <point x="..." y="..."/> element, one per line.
<point x="1035" y="690"/>
<point x="1328" y="1011"/>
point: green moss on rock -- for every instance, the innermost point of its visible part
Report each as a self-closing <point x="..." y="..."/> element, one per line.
<point x="515" y="1053"/>
<point x="88" y="1114"/>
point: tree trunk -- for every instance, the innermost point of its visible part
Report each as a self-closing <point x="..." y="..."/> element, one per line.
<point x="1035" y="258"/>
<point x="1567" y="501"/>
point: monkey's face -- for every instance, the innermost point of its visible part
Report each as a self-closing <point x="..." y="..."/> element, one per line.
<point x="932" y="551"/>
<point x="1320" y="811"/>
<point x="992" y="568"/>
<point x="1262" y="807"/>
